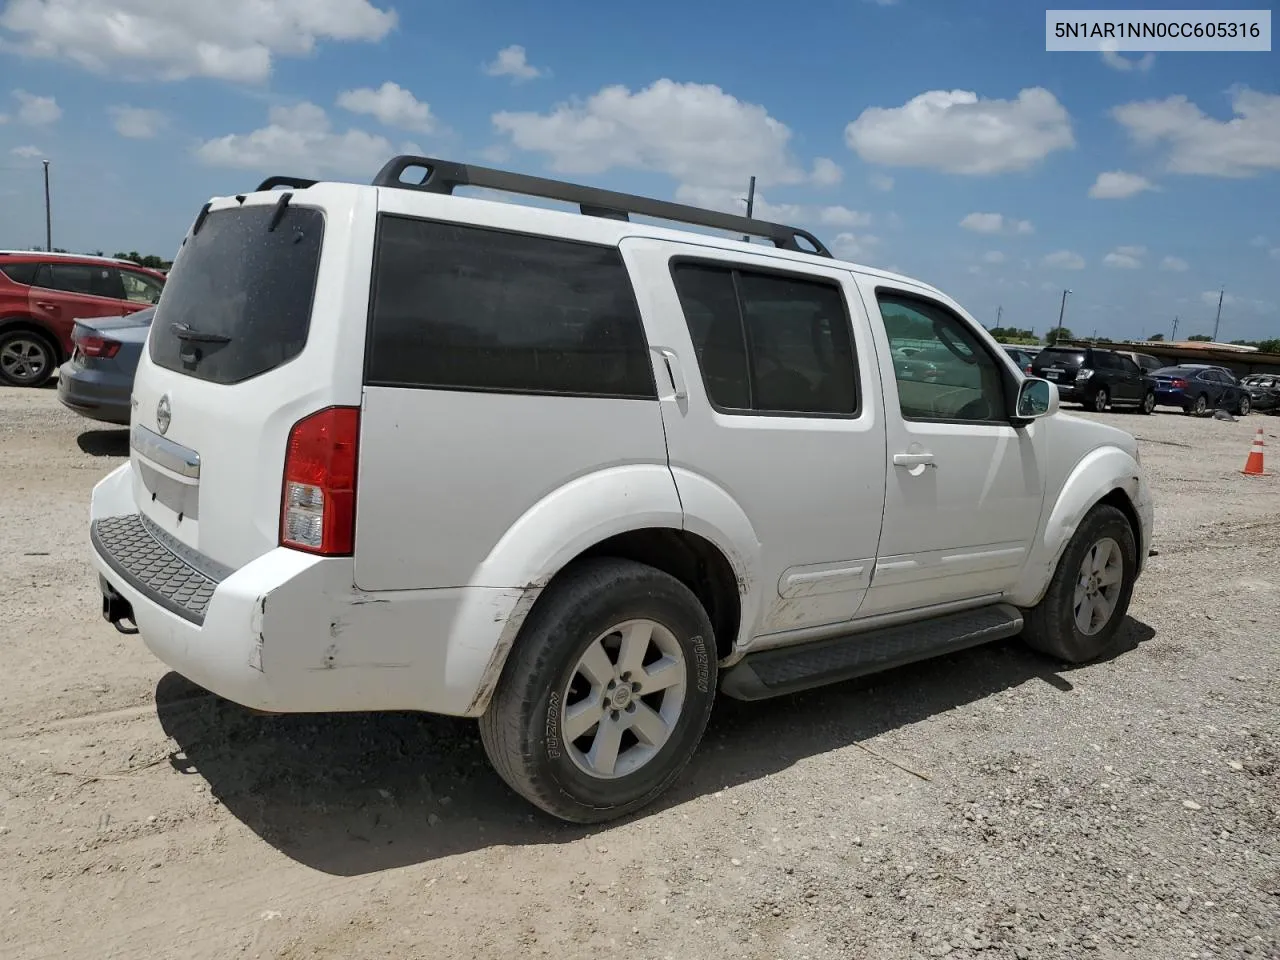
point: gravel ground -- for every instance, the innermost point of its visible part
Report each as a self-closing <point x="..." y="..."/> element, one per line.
<point x="987" y="805"/>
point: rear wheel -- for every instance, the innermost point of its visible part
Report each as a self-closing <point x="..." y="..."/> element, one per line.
<point x="1148" y="403"/>
<point x="1245" y="406"/>
<point x="1198" y="406"/>
<point x="607" y="692"/>
<point x="1097" y="400"/>
<point x="1089" y="594"/>
<point x="26" y="359"/>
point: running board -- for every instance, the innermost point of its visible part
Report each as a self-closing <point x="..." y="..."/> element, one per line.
<point x="772" y="673"/>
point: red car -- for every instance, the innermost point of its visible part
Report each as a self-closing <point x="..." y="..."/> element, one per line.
<point x="43" y="294"/>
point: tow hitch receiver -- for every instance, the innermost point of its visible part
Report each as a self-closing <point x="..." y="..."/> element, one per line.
<point x="116" y="610"/>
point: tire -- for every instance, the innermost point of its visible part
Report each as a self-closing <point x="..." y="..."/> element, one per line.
<point x="27" y="359"/>
<point x="525" y="729"/>
<point x="1148" y="404"/>
<point x="1099" y="401"/>
<point x="1245" y="406"/>
<point x="1198" y="407"/>
<point x="1052" y="627"/>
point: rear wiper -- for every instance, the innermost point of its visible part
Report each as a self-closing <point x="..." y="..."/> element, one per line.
<point x="184" y="332"/>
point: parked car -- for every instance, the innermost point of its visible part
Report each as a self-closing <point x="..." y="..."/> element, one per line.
<point x="43" y="294"/>
<point x="1096" y="378"/>
<point x="98" y="379"/>
<point x="1022" y="357"/>
<point x="571" y="475"/>
<point x="1199" y="389"/>
<point x="1146" y="361"/>
<point x="1264" y="391"/>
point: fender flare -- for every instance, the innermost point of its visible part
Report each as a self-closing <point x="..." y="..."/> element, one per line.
<point x="1098" y="474"/>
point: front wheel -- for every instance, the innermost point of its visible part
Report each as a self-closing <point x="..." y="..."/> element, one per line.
<point x="606" y="694"/>
<point x="1089" y="594"/>
<point x="1148" y="404"/>
<point x="26" y="359"/>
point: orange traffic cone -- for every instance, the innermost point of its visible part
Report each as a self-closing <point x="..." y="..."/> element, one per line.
<point x="1253" y="466"/>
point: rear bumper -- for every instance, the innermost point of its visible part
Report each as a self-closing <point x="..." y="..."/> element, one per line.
<point x="94" y="394"/>
<point x="1066" y="391"/>
<point x="1171" y="398"/>
<point x="288" y="633"/>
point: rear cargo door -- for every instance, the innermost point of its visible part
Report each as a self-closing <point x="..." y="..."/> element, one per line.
<point x="246" y="340"/>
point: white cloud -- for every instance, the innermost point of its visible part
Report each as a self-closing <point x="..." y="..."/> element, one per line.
<point x="37" y="111"/>
<point x="301" y="140"/>
<point x="694" y="132"/>
<point x="881" y="182"/>
<point x="993" y="256"/>
<point x="826" y="172"/>
<point x="1117" y="61"/>
<point x="1064" y="260"/>
<point x="1211" y="298"/>
<point x="1125" y="258"/>
<point x="27" y="152"/>
<point x="734" y="201"/>
<point x="1274" y="253"/>
<point x="995" y="223"/>
<point x="838" y="216"/>
<point x="228" y="40"/>
<point x="1243" y="146"/>
<point x="513" y="62"/>
<point x="391" y="105"/>
<point x="957" y="132"/>
<point x="1116" y="185"/>
<point x="1258" y="241"/>
<point x="1174" y="264"/>
<point x="136" y="123"/>
<point x="849" y="246"/>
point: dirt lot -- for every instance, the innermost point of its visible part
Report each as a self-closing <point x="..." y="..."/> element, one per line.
<point x="1130" y="808"/>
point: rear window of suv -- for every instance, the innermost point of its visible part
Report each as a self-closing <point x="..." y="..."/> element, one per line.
<point x="237" y="302"/>
<point x="1050" y="357"/>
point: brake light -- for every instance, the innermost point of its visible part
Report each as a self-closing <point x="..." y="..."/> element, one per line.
<point x="1028" y="369"/>
<point x="1179" y="384"/>
<point x="92" y="345"/>
<point x="318" y="503"/>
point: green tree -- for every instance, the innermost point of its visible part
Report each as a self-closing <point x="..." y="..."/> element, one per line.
<point x="150" y="260"/>
<point x="1156" y="337"/>
<point x="1200" y="337"/>
<point x="1012" y="333"/>
<point x="1059" y="333"/>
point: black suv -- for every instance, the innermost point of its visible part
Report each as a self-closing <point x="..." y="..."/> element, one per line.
<point x="1096" y="378"/>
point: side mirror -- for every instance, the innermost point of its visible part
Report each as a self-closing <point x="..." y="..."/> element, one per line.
<point x="1036" y="398"/>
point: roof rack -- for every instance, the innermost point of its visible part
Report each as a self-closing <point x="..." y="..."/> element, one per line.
<point x="443" y="176"/>
<point x="74" y="256"/>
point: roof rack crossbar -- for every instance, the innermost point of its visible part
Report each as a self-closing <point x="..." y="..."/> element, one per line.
<point x="443" y="176"/>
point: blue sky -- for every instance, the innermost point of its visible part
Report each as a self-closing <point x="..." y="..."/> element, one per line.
<point x="929" y="136"/>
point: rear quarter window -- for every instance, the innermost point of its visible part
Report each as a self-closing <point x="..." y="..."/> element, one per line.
<point x="24" y="273"/>
<point x="467" y="308"/>
<point x="237" y="302"/>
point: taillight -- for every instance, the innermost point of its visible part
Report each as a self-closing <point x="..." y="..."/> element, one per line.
<point x="1179" y="384"/>
<point x="92" y="345"/>
<point x="1028" y="370"/>
<point x="318" y="505"/>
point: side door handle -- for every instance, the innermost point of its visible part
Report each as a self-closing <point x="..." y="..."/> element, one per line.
<point x="913" y="460"/>
<point x="672" y="363"/>
<point x="47" y="305"/>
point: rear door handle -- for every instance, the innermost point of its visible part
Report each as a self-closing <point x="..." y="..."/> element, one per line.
<point x="913" y="460"/>
<point x="46" y="305"/>
<point x="672" y="363"/>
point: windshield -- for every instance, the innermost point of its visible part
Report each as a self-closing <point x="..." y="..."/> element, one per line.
<point x="238" y="300"/>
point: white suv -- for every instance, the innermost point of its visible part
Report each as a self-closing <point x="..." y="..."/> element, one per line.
<point x="396" y="449"/>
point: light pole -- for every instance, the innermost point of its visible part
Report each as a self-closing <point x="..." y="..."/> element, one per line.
<point x="1062" y="310"/>
<point x="1218" y="319"/>
<point x="48" y="221"/>
<point x="751" y="202"/>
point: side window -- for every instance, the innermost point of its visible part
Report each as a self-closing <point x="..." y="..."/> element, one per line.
<point x="24" y="273"/>
<point x="952" y="377"/>
<point x="140" y="288"/>
<point x="1130" y="367"/>
<point x="467" y="308"/>
<point x="769" y="342"/>
<point x="86" y="279"/>
<point x="1106" y="361"/>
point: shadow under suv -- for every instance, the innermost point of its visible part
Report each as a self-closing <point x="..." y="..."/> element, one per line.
<point x="1098" y="379"/>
